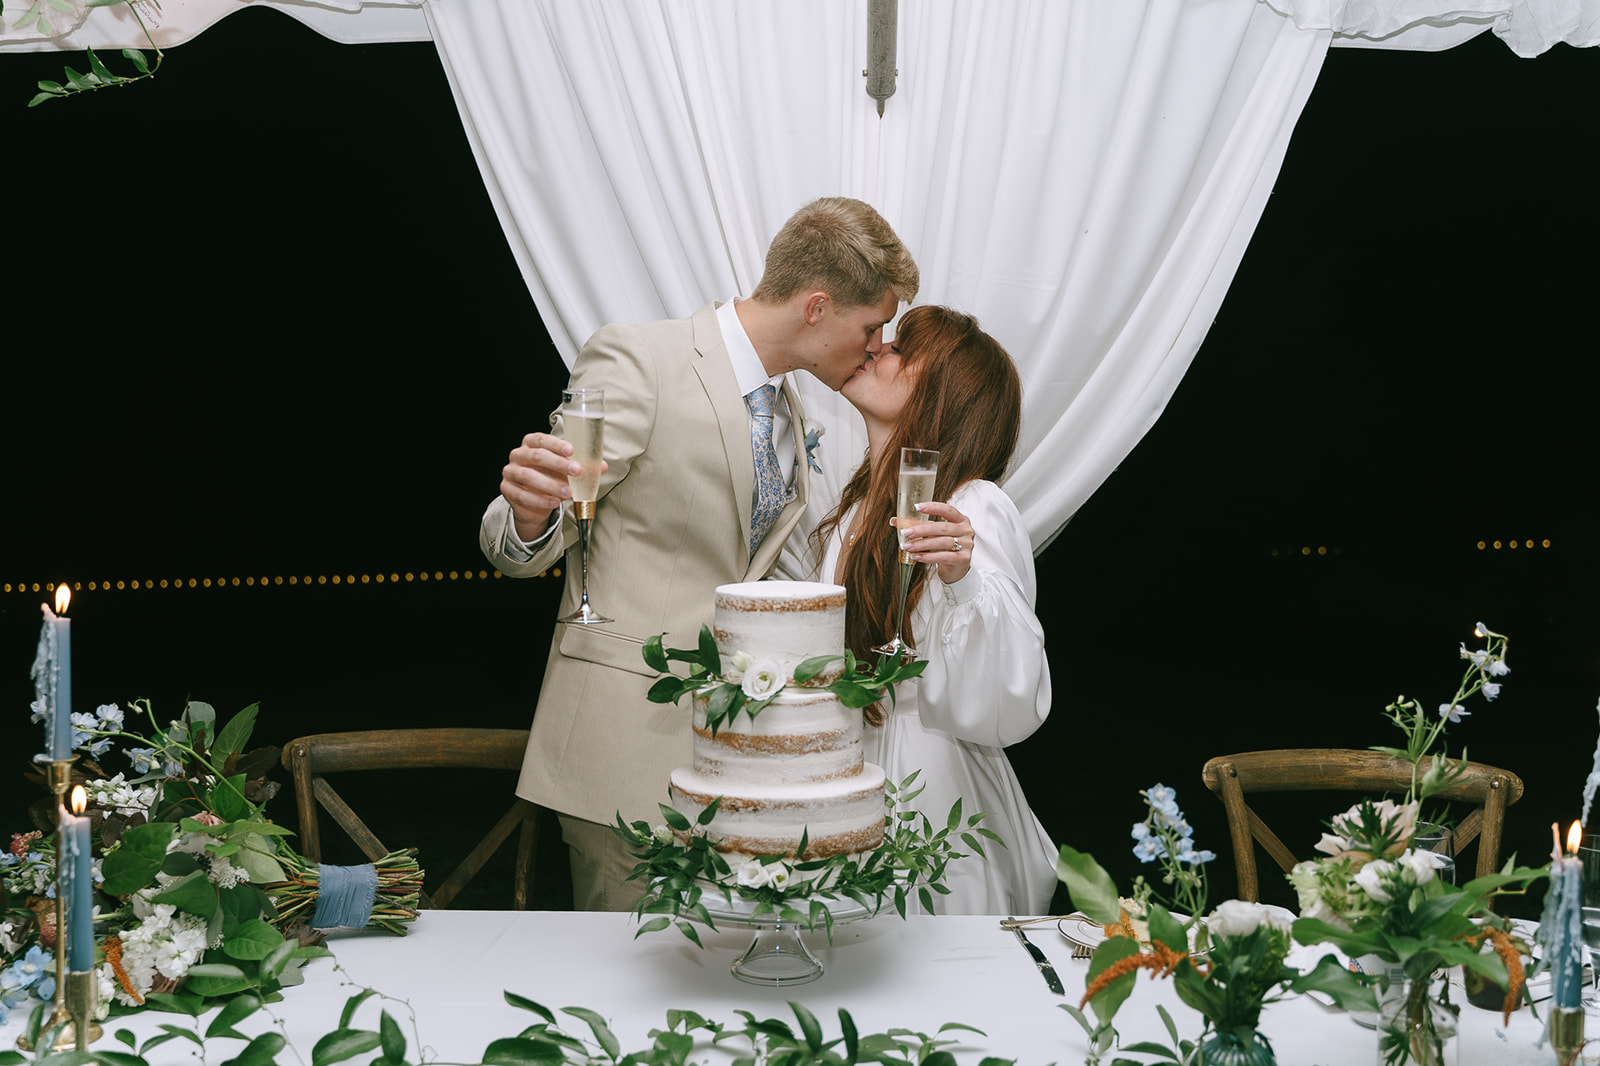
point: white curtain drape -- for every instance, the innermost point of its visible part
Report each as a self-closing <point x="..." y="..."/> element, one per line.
<point x="1528" y="27"/>
<point x="1080" y="175"/>
<point x="1083" y="176"/>
<point x="73" y="25"/>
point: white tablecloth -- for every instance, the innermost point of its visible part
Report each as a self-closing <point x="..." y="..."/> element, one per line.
<point x="915" y="974"/>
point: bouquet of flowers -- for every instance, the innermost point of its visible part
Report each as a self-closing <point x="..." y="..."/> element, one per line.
<point x="193" y="881"/>
<point x="1376" y="895"/>
<point x="1228" y="966"/>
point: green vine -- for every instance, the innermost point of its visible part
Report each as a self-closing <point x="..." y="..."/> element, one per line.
<point x="99" y="76"/>
<point x="543" y="1042"/>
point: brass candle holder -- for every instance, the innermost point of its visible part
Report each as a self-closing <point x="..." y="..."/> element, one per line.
<point x="77" y="992"/>
<point x="1566" y="1034"/>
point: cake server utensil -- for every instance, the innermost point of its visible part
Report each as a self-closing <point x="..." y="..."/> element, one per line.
<point x="1039" y="960"/>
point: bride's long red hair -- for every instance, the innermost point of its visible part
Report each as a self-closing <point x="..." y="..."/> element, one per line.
<point x="966" y="402"/>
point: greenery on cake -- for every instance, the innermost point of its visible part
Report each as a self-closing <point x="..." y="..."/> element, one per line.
<point x="750" y="684"/>
<point x="680" y="864"/>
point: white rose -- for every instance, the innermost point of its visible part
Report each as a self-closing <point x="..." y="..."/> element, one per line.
<point x="751" y="874"/>
<point x="1236" y="917"/>
<point x="1419" y="865"/>
<point x="662" y="835"/>
<point x="737" y="666"/>
<point x="1370" y="879"/>
<point x="763" y="680"/>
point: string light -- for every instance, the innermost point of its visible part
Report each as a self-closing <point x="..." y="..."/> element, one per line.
<point x="264" y="581"/>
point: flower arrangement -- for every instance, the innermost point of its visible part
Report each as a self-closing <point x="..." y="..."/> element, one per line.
<point x="679" y="862"/>
<point x="749" y="685"/>
<point x="1375" y="894"/>
<point x="197" y="893"/>
<point x="1228" y="966"/>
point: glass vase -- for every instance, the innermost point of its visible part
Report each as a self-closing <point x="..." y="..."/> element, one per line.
<point x="1226" y="1047"/>
<point x="1417" y="1023"/>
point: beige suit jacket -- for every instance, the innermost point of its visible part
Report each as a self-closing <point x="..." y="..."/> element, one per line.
<point x="672" y="524"/>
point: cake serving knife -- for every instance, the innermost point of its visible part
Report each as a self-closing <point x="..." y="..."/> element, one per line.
<point x="1039" y="960"/>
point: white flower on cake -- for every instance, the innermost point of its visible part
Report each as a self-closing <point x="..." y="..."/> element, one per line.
<point x="753" y="873"/>
<point x="763" y="680"/>
<point x="662" y="834"/>
<point x="737" y="665"/>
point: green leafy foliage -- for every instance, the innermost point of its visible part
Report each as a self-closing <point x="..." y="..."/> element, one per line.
<point x="99" y="76"/>
<point x="680" y="863"/>
<point x="725" y="696"/>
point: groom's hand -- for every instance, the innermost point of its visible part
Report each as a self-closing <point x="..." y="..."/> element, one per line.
<point x="534" y="482"/>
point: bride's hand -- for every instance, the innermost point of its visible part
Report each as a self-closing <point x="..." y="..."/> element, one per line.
<point x="946" y="544"/>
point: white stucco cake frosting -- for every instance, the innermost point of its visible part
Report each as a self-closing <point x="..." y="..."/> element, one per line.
<point x="783" y="621"/>
<point x="795" y="769"/>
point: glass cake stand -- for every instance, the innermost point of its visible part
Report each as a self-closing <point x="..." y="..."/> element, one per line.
<point x="777" y="956"/>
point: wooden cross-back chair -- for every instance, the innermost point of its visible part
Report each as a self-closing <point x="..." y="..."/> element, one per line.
<point x="310" y="758"/>
<point x="1489" y="789"/>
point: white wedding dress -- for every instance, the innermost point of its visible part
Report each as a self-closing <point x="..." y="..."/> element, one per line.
<point x="986" y="686"/>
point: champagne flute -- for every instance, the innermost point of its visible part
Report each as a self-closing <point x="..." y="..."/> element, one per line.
<point x="583" y="426"/>
<point x="919" y="468"/>
<point x="1589" y="855"/>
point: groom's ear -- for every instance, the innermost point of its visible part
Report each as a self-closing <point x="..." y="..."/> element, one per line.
<point x="815" y="303"/>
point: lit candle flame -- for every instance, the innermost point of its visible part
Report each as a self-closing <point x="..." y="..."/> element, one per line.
<point x="1574" y="838"/>
<point x="63" y="597"/>
<point x="80" y="799"/>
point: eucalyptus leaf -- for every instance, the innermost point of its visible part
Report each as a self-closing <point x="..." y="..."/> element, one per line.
<point x="1090" y="887"/>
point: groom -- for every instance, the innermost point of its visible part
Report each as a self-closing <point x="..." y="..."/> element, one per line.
<point x="689" y="407"/>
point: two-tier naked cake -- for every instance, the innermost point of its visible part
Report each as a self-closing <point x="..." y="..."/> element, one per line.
<point x="797" y="767"/>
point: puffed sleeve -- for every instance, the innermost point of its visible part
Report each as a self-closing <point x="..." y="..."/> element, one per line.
<point x="987" y="679"/>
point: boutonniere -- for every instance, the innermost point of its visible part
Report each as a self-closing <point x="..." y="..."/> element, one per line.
<point x="814" y="434"/>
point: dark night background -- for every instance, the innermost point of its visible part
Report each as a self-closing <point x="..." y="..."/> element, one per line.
<point x="262" y="323"/>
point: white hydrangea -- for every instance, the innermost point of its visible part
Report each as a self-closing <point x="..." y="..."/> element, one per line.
<point x="116" y="794"/>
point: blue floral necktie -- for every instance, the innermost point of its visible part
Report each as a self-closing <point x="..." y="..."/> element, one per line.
<point x="769" y="495"/>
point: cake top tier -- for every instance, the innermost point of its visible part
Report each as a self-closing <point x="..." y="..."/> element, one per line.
<point x="786" y="622"/>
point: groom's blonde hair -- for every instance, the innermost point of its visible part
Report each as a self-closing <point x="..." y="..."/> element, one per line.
<point x="843" y="247"/>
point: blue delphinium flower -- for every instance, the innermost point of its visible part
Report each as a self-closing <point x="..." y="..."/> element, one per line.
<point x="814" y="434"/>
<point x="144" y="759"/>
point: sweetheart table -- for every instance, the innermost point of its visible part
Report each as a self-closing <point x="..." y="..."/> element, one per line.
<point x="915" y="974"/>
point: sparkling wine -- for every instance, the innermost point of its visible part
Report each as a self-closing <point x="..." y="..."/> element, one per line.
<point x="586" y="435"/>
<point x="916" y="486"/>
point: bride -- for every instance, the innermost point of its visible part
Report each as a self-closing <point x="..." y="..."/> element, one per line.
<point x="945" y="384"/>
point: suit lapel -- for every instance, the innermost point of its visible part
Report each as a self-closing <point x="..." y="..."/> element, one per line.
<point x="733" y="421"/>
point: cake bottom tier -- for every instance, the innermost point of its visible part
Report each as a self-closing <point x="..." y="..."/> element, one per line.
<point x="844" y="816"/>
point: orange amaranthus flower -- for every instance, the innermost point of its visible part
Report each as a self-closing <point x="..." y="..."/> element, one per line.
<point x="113" y="949"/>
<point x="1506" y="948"/>
<point x="1160" y="960"/>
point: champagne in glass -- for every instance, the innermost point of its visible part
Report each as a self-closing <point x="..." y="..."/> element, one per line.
<point x="586" y="433"/>
<point x="917" y="475"/>
<point x="583" y="426"/>
<point x="919" y="468"/>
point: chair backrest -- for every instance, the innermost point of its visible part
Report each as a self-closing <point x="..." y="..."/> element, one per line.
<point x="1488" y="788"/>
<point x="308" y="759"/>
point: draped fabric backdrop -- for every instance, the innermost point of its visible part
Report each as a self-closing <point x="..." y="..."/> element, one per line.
<point x="1084" y="177"/>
